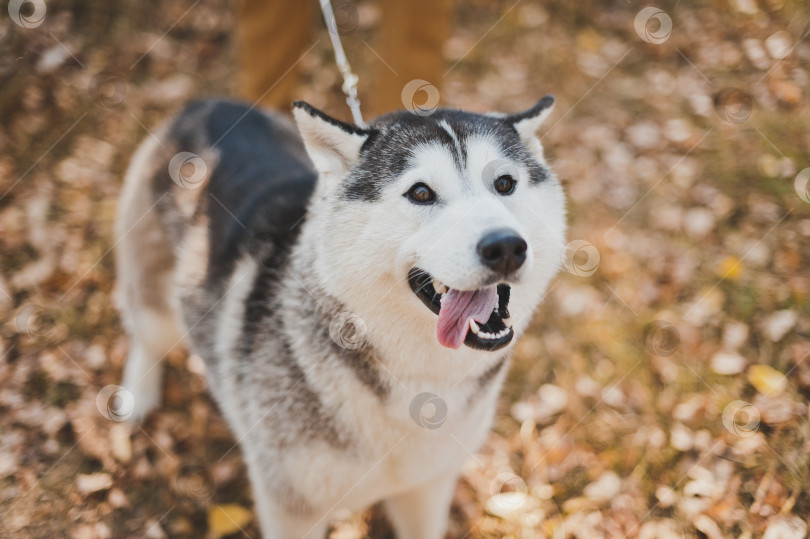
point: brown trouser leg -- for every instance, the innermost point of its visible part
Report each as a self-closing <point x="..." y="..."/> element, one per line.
<point x="410" y="40"/>
<point x="271" y="37"/>
<point x="273" y="34"/>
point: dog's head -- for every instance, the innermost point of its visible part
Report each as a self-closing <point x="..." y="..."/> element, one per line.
<point x="458" y="211"/>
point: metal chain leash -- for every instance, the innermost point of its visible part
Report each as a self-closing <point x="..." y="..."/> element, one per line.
<point x="349" y="78"/>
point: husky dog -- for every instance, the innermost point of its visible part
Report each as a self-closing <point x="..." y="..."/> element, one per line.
<point x="353" y="291"/>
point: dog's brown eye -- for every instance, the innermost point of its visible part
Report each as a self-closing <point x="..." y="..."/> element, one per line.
<point x="421" y="194"/>
<point x="505" y="184"/>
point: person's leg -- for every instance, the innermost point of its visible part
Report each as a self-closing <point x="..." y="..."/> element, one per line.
<point x="271" y="36"/>
<point x="410" y="40"/>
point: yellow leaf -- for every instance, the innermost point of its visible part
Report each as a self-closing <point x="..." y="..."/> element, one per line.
<point x="227" y="519"/>
<point x="766" y="379"/>
<point x="552" y="526"/>
<point x="731" y="268"/>
<point x="589" y="40"/>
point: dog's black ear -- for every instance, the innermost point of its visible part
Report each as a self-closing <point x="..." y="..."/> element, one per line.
<point x="332" y="145"/>
<point x="527" y="123"/>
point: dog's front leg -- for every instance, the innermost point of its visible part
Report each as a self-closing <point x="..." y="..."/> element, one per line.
<point x="282" y="514"/>
<point x="423" y="512"/>
<point x="278" y="522"/>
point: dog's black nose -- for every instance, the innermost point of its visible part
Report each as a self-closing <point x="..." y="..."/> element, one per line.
<point x="503" y="250"/>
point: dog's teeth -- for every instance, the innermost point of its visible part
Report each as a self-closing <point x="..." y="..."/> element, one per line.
<point x="507" y="322"/>
<point x="439" y="287"/>
<point x="488" y="336"/>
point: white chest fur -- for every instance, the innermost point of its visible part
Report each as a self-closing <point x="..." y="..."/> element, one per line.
<point x="416" y="435"/>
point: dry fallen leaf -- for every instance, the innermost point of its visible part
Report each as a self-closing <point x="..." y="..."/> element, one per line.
<point x="786" y="91"/>
<point x="603" y="489"/>
<point x="120" y="445"/>
<point x="227" y="519"/>
<point x="778" y="324"/>
<point x="727" y="363"/>
<point x="766" y="379"/>
<point x="731" y="268"/>
<point x="90" y="483"/>
<point x="786" y="527"/>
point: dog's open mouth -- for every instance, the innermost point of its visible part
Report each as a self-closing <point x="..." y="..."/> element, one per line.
<point x="477" y="318"/>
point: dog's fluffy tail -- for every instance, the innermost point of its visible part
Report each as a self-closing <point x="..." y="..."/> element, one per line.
<point x="144" y="266"/>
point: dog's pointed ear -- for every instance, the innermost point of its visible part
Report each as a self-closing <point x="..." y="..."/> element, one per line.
<point x="333" y="146"/>
<point x="527" y="123"/>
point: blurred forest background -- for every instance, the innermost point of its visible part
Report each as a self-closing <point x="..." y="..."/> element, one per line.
<point x="662" y="390"/>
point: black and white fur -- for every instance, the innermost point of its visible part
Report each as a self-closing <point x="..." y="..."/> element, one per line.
<point x="289" y="234"/>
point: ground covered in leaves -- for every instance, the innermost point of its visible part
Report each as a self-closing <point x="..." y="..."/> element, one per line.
<point x="662" y="391"/>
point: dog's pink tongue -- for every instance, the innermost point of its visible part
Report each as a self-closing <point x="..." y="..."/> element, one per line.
<point x="458" y="308"/>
